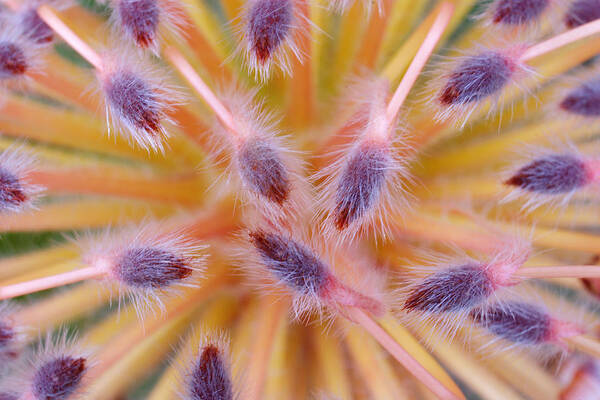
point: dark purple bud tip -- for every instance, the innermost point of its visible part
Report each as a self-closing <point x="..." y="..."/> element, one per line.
<point x="584" y="100"/>
<point x="7" y="335"/>
<point x="360" y="183"/>
<point x="518" y="12"/>
<point x="581" y="12"/>
<point x="12" y="60"/>
<point x="517" y="322"/>
<point x="553" y="174"/>
<point x="134" y="101"/>
<point x="291" y="262"/>
<point x="34" y="28"/>
<point x="210" y="378"/>
<point x="58" y="379"/>
<point x="12" y="193"/>
<point x="151" y="268"/>
<point x="268" y="25"/>
<point x="476" y="78"/>
<point x="451" y="290"/>
<point x="263" y="171"/>
<point x="140" y="19"/>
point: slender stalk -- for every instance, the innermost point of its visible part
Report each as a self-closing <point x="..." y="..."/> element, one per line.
<point x="188" y="72"/>
<point x="418" y="63"/>
<point x="401" y="355"/>
<point x="567" y="271"/>
<point x="37" y="285"/>
<point x="556" y="42"/>
<point x="586" y="344"/>
<point x="48" y="15"/>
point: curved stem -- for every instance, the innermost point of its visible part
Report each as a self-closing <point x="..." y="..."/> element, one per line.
<point x="50" y="17"/>
<point x="49" y="282"/>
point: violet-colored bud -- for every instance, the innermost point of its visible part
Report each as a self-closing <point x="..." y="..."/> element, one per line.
<point x="291" y="262"/>
<point x="140" y="19"/>
<point x="581" y="12"/>
<point x="269" y="23"/>
<point x="263" y="170"/>
<point x="518" y="12"/>
<point x="361" y="183"/>
<point x="517" y="322"/>
<point x="152" y="268"/>
<point x="12" y="60"/>
<point x="451" y="290"/>
<point x="58" y="378"/>
<point x="210" y="378"/>
<point x="584" y="100"/>
<point x="554" y="174"/>
<point x="476" y="78"/>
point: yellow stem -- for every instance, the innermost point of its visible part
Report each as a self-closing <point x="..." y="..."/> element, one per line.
<point x="279" y="371"/>
<point x="62" y="307"/>
<point x="83" y="214"/>
<point x="183" y="190"/>
<point x="375" y="371"/>
<point x="272" y="318"/>
<point x="332" y="373"/>
<point x="138" y="361"/>
<point x="183" y="304"/>
<point x="11" y="267"/>
<point x="478" y="379"/>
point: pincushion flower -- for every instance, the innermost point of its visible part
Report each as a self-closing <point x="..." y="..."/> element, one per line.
<point x="292" y="199"/>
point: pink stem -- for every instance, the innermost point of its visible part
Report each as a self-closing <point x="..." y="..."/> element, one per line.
<point x="48" y="15"/>
<point x="418" y="63"/>
<point x="49" y="282"/>
<point x="561" y="40"/>
<point x="585" y="344"/>
<point x="401" y="355"/>
<point x="564" y="271"/>
<point x="201" y="88"/>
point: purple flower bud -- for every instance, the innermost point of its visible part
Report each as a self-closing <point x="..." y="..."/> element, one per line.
<point x="584" y="100"/>
<point x="554" y="174"/>
<point x="291" y="262"/>
<point x="360" y="183"/>
<point x="12" y="193"/>
<point x="58" y="378"/>
<point x="12" y="60"/>
<point x="134" y="101"/>
<point x="269" y="23"/>
<point x="210" y="378"/>
<point x="451" y="290"/>
<point x="140" y="19"/>
<point x="581" y="12"/>
<point x="476" y="78"/>
<point x="7" y="335"/>
<point x="152" y="268"/>
<point x="518" y="12"/>
<point x="517" y="322"/>
<point x="263" y="170"/>
<point x="34" y="28"/>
